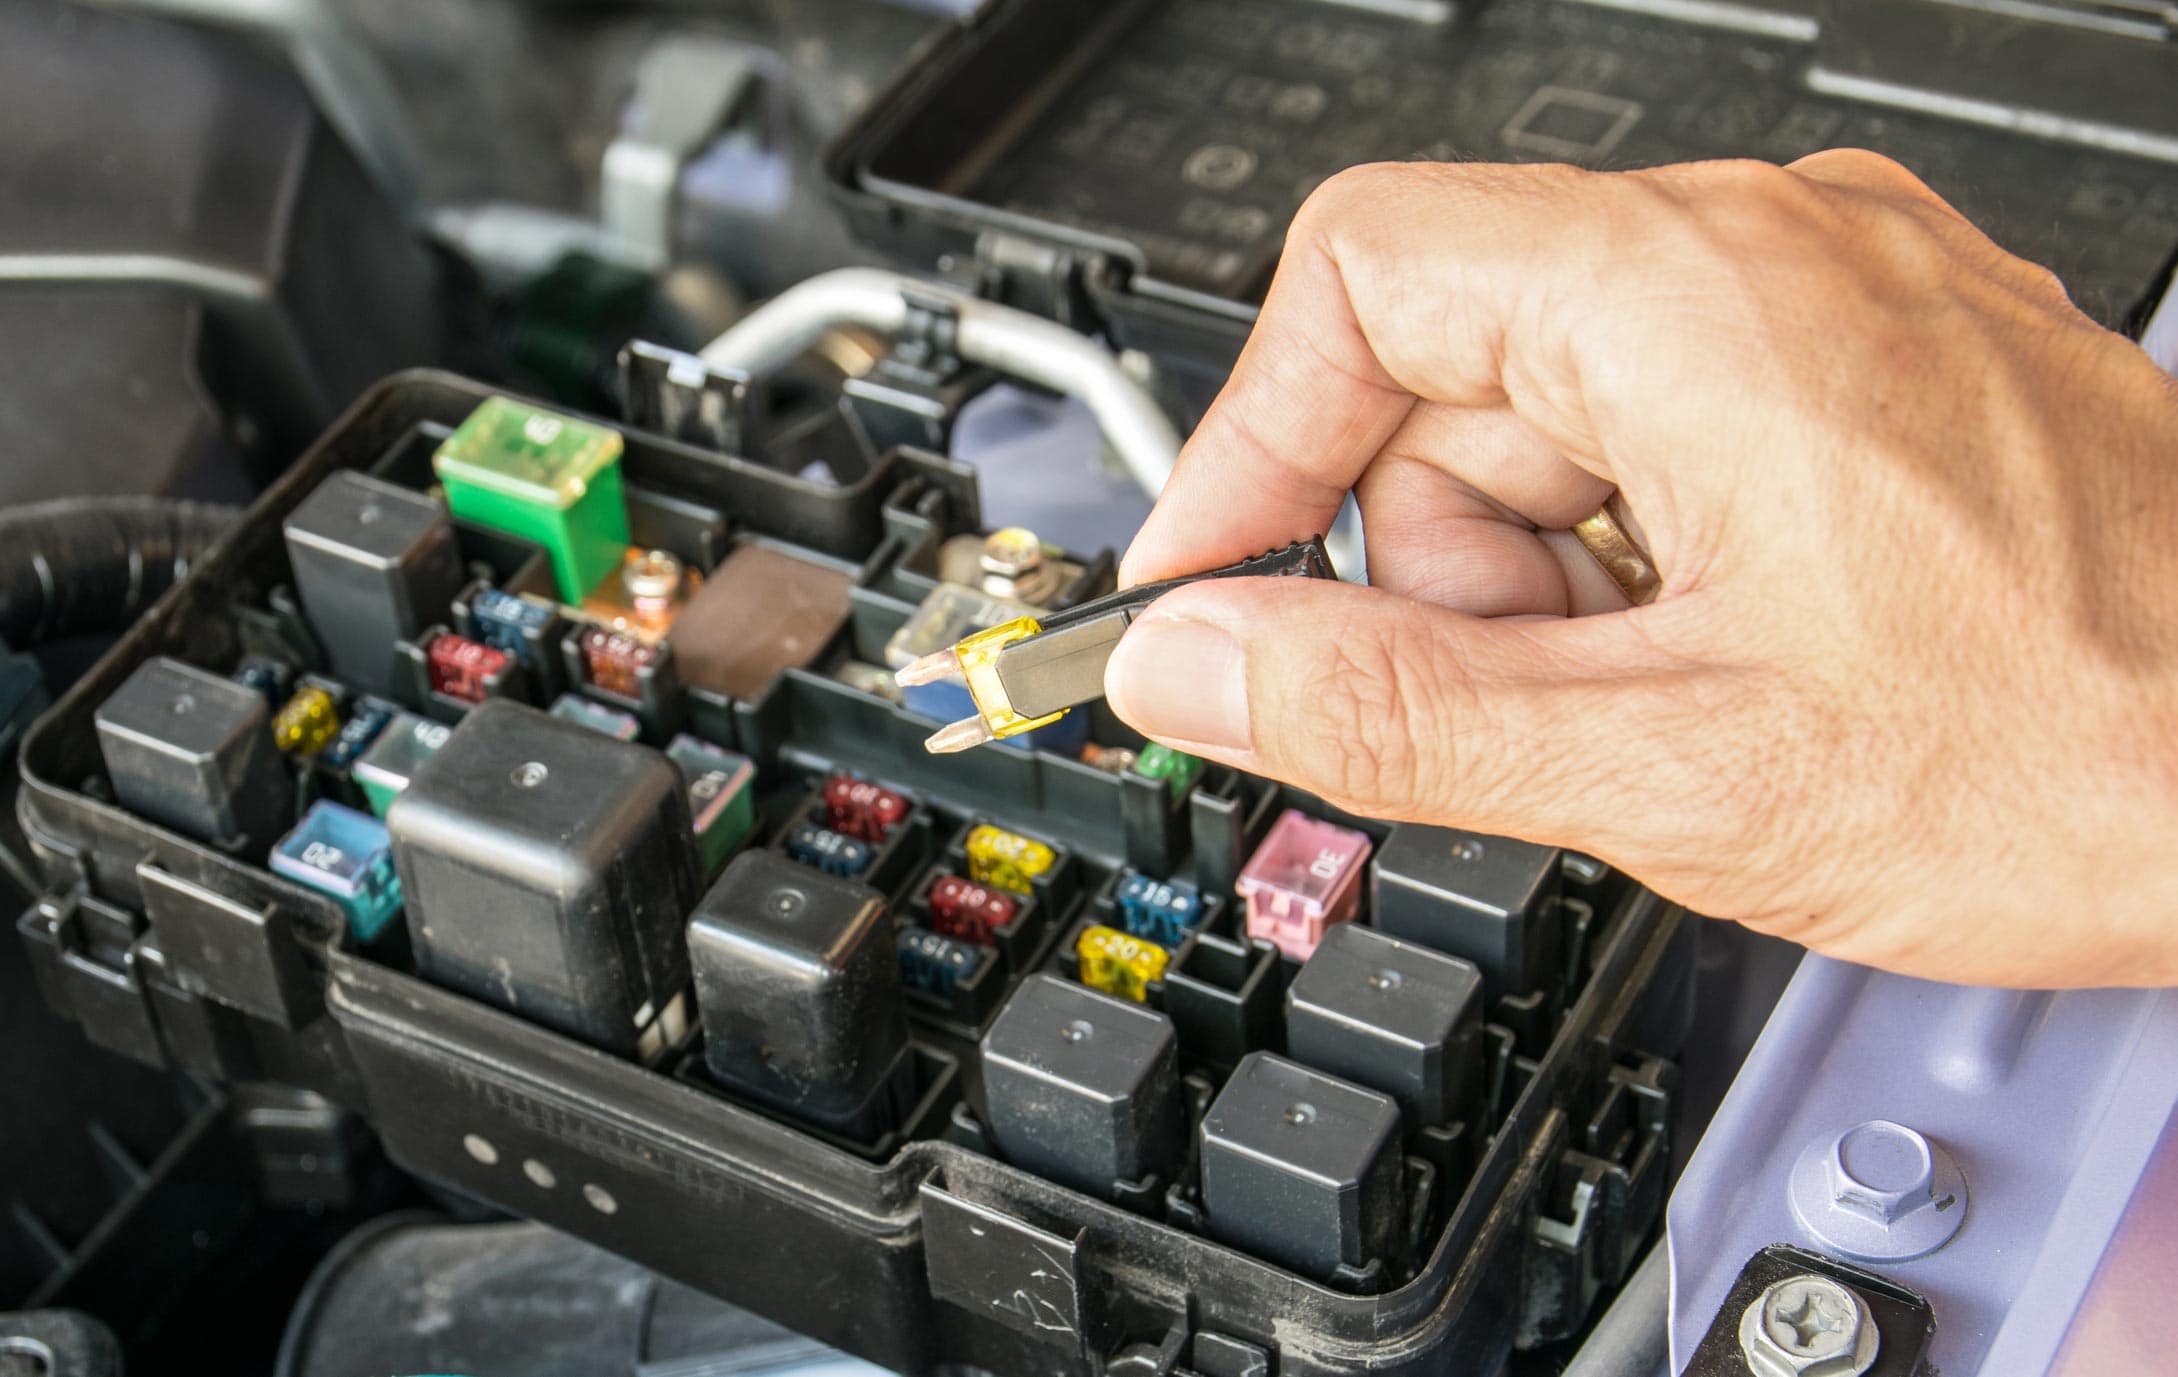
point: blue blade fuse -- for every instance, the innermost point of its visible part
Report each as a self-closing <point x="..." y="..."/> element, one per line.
<point x="344" y="855"/>
<point x="1164" y="911"/>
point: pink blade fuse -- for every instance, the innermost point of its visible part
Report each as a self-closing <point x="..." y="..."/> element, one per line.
<point x="1303" y="878"/>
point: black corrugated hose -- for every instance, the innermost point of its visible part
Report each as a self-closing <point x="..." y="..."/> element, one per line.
<point x="81" y="565"/>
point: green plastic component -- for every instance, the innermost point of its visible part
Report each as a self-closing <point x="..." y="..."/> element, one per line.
<point x="1177" y="769"/>
<point x="721" y="797"/>
<point x="384" y="768"/>
<point x="543" y="477"/>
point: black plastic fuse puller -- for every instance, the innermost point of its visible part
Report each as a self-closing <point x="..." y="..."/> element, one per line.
<point x="1026" y="673"/>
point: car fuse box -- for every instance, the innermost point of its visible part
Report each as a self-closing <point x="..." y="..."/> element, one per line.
<point x="1075" y="1056"/>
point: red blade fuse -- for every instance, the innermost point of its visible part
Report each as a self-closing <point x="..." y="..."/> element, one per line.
<point x="969" y="912"/>
<point x="1303" y="878"/>
<point x="861" y="809"/>
<point x="464" y="669"/>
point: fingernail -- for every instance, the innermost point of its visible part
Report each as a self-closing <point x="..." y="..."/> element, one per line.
<point x="1181" y="680"/>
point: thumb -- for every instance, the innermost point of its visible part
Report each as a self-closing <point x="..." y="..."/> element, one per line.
<point x="1396" y="709"/>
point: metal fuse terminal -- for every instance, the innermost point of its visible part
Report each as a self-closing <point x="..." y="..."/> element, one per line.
<point x="1025" y="673"/>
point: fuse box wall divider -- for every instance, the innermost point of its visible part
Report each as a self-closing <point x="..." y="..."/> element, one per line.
<point x="894" y="1227"/>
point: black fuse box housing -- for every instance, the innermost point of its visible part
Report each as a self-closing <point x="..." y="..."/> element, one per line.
<point x="546" y="869"/>
<point x="920" y="1247"/>
<point x="1131" y="166"/>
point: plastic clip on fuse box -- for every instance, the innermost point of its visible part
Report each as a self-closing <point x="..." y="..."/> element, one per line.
<point x="1305" y="877"/>
<point x="550" y="479"/>
<point x="1026" y="673"/>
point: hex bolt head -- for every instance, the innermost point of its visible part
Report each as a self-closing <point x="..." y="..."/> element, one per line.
<point x="1879" y="1192"/>
<point x="1808" y="1326"/>
<point x="1882" y="1169"/>
<point x="1012" y="552"/>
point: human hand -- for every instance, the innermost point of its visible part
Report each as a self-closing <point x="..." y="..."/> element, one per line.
<point x="1910" y="693"/>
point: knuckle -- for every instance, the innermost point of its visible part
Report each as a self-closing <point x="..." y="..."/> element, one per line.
<point x="1336" y="199"/>
<point x="1865" y="168"/>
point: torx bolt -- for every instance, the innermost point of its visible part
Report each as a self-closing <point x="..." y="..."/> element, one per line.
<point x="1808" y="1326"/>
<point x="1012" y="552"/>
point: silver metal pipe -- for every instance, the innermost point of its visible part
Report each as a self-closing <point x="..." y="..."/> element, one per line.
<point x="1632" y="1339"/>
<point x="1000" y="337"/>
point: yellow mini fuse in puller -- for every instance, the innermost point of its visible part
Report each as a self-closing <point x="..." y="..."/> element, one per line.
<point x="1025" y="673"/>
<point x="975" y="660"/>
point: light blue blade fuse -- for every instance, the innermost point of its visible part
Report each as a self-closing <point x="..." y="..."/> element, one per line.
<point x="344" y="855"/>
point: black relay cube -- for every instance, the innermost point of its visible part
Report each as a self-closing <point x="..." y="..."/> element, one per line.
<point x="1083" y="1088"/>
<point x="1489" y="900"/>
<point x="1392" y="1016"/>
<point x="547" y="869"/>
<point x="798" y="985"/>
<point x="189" y="749"/>
<point x="374" y="563"/>
<point x="1302" y="1168"/>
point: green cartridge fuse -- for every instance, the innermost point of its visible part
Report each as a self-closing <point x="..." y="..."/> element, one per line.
<point x="1177" y="769"/>
<point x="721" y="799"/>
<point x="543" y="477"/>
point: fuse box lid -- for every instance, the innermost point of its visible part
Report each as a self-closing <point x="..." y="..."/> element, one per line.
<point x="1153" y="154"/>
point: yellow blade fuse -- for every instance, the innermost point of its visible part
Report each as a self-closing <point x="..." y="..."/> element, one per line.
<point x="1026" y="673"/>
<point x="1118" y="964"/>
